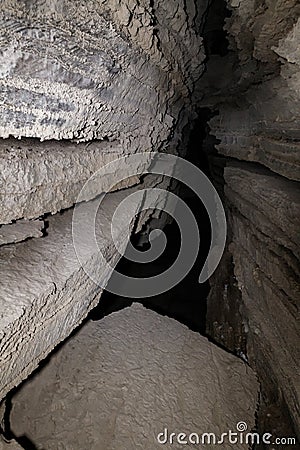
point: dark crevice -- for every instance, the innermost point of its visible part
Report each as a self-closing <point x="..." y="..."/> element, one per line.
<point x="186" y="302"/>
<point x="5" y="429"/>
<point x="215" y="37"/>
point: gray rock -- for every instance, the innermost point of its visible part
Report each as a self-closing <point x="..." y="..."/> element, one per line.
<point x="263" y="206"/>
<point x="70" y="70"/>
<point x="46" y="291"/>
<point x="121" y="381"/>
<point x="20" y="231"/>
<point x="9" y="445"/>
<point x="45" y="177"/>
<point x="259" y="125"/>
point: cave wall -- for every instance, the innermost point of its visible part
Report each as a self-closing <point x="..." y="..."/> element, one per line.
<point x="87" y="70"/>
<point x="84" y="82"/>
<point x="81" y="83"/>
<point x="258" y="130"/>
<point x="120" y="75"/>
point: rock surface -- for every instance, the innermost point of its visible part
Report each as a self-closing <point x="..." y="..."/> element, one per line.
<point x="267" y="271"/>
<point x="9" y="445"/>
<point x="259" y="126"/>
<point x="20" y="231"/>
<point x="46" y="291"/>
<point x="119" y="382"/>
<point x="94" y="70"/>
<point x="121" y="77"/>
<point x="262" y="124"/>
<point x="94" y="81"/>
<point x="84" y="71"/>
<point x="46" y="177"/>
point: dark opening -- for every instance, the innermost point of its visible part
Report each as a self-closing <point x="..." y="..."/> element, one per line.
<point x="214" y="34"/>
<point x="187" y="301"/>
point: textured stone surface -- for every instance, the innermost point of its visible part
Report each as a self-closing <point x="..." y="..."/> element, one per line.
<point x="115" y="78"/>
<point x="243" y="139"/>
<point x="71" y="71"/>
<point x="45" y="177"/>
<point x="256" y="28"/>
<point x="259" y="125"/>
<point x="10" y="445"/>
<point x="20" y="231"/>
<point x="267" y="270"/>
<point x="45" y="292"/>
<point x="263" y="212"/>
<point x="125" y="74"/>
<point x="262" y="124"/>
<point x="119" y="382"/>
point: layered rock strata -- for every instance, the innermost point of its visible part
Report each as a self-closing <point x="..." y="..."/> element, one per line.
<point x="258" y="132"/>
<point x="21" y="230"/>
<point x="81" y="84"/>
<point x="39" y="178"/>
<point x="50" y="284"/>
<point x="99" y="70"/>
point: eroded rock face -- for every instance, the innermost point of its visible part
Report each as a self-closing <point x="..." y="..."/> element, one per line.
<point x="46" y="177"/>
<point x="20" y="231"/>
<point x="120" y="73"/>
<point x="259" y="125"/>
<point x="94" y="70"/>
<point x="94" y="81"/>
<point x="119" y="382"/>
<point x="48" y="285"/>
<point x="9" y="445"/>
<point x="267" y="270"/>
